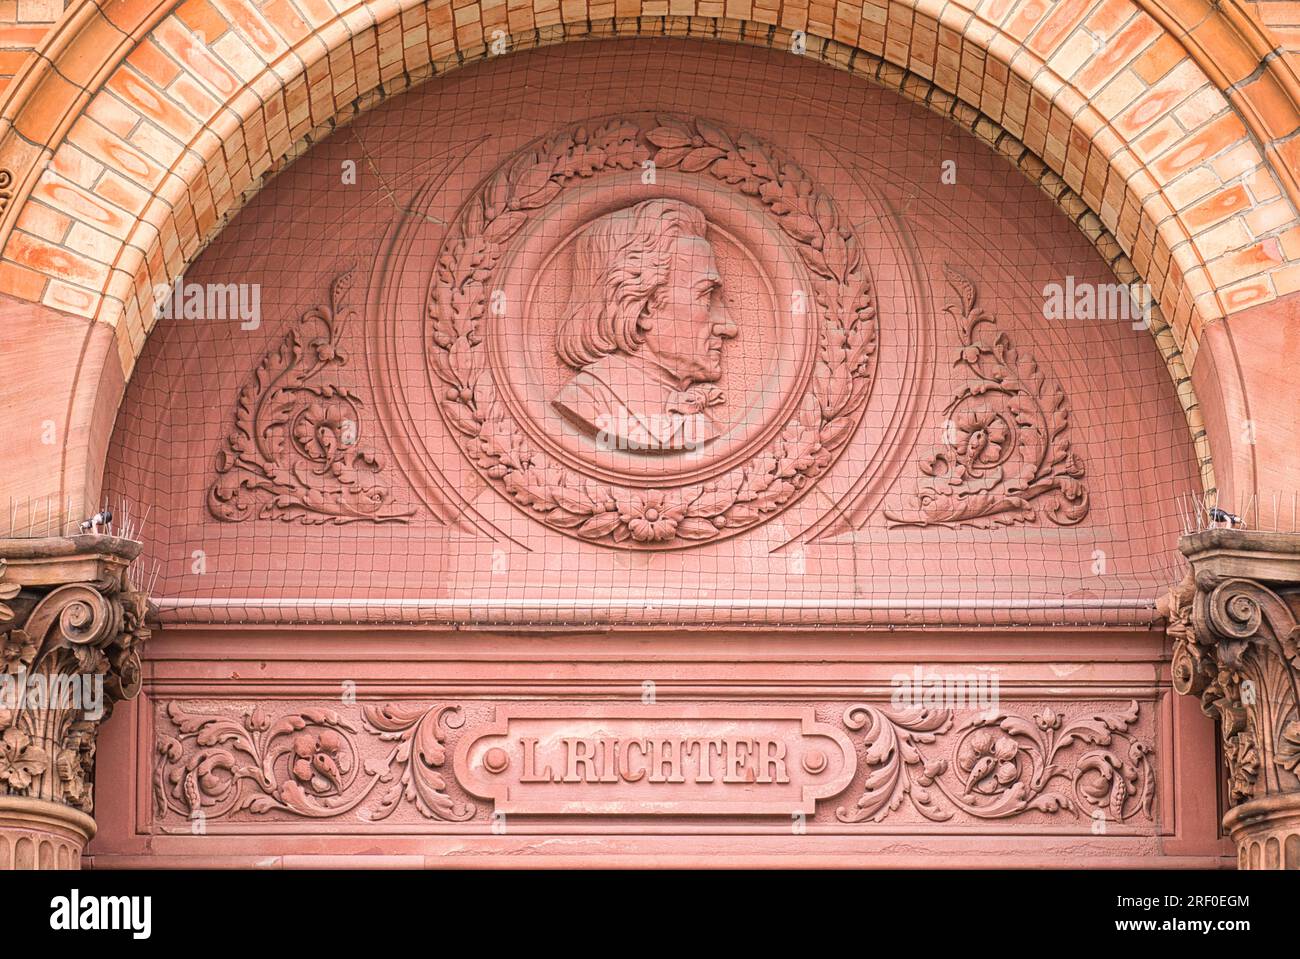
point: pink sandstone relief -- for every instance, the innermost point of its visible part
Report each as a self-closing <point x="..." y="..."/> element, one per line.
<point x="466" y="763"/>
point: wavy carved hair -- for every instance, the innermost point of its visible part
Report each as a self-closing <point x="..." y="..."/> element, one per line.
<point x="621" y="267"/>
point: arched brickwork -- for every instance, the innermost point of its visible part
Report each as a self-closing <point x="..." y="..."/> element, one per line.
<point x="138" y="127"/>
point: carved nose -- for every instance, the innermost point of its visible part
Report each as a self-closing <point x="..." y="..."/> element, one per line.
<point x="722" y="325"/>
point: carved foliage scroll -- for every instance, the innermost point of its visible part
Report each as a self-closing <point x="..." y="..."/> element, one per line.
<point x="1001" y="765"/>
<point x="305" y="763"/>
<point x="1007" y="457"/>
<point x="293" y="452"/>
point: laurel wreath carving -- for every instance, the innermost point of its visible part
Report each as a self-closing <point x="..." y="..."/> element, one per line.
<point x="293" y="452"/>
<point x="606" y="514"/>
<point x="1006" y="456"/>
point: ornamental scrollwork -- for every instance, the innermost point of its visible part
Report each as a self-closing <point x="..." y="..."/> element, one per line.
<point x="293" y="452"/>
<point x="1000" y="765"/>
<point x="305" y="763"/>
<point x="1006" y="457"/>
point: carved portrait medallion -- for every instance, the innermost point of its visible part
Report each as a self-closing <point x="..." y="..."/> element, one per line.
<point x="651" y="331"/>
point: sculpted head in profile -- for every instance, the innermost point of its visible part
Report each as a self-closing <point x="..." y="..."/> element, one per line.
<point x="644" y="328"/>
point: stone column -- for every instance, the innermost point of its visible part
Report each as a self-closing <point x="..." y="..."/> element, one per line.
<point x="71" y="627"/>
<point x="1237" y="646"/>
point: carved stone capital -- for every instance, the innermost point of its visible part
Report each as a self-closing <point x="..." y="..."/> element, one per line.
<point x="1233" y="622"/>
<point x="71" y="627"/>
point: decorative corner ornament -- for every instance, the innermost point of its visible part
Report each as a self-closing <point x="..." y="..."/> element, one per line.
<point x="293" y="453"/>
<point x="1007" y="456"/>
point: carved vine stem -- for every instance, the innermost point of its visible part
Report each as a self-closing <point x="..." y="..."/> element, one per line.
<point x="1007" y="455"/>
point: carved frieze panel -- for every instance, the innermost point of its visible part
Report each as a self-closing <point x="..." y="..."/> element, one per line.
<point x="848" y="765"/>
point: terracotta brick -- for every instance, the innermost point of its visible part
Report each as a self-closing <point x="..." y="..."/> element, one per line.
<point x="19" y="281"/>
<point x="136" y="92"/>
<point x="1270" y="103"/>
<point x="1158" y="59"/>
<point x="1216" y="207"/>
<point x="153" y="64"/>
<point x="44" y="257"/>
<point x="1117" y="52"/>
<point x="1212" y="139"/>
<point x="51" y="102"/>
<point x="202" y="18"/>
<point x="173" y="36"/>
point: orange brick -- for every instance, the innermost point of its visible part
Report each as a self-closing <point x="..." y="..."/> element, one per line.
<point x="1216" y="207"/>
<point x="21" y="282"/>
<point x="154" y="64"/>
<point x="1159" y="58"/>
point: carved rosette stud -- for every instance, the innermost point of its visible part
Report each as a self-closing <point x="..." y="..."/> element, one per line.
<point x="1236" y="645"/>
<point x="1006" y="457"/>
<point x="71" y="627"/>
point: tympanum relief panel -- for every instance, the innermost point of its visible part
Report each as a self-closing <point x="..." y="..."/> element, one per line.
<point x="654" y="345"/>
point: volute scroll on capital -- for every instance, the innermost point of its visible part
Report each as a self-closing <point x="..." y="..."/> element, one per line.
<point x="1236" y="645"/>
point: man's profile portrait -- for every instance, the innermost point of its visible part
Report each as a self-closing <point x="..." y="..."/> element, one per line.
<point x="644" y="328"/>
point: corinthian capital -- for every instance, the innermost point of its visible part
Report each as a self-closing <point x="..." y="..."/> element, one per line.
<point x="71" y="627"/>
<point x="1235" y="645"/>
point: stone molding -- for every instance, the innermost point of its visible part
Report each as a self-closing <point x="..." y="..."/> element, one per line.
<point x="72" y="626"/>
<point x="1236" y="645"/>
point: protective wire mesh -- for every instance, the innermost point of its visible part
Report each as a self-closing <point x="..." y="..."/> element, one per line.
<point x="653" y="332"/>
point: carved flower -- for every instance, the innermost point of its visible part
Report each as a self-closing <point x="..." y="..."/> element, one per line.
<point x="983" y="434"/>
<point x="315" y="762"/>
<point x="20" y="759"/>
<point x="322" y="430"/>
<point x="1047" y="719"/>
<point x="990" y="761"/>
<point x="18" y="652"/>
<point x="649" y="516"/>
